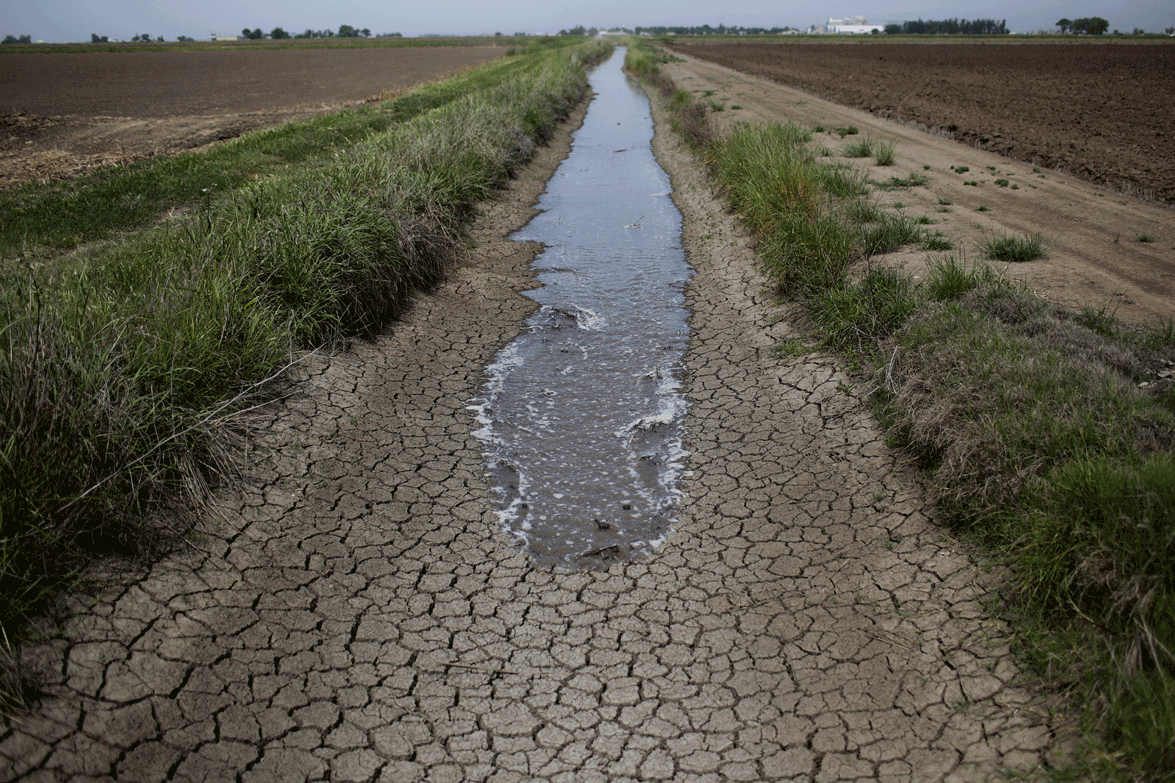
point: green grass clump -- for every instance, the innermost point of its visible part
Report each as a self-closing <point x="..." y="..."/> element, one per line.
<point x="863" y="148"/>
<point x="948" y="277"/>
<point x="861" y="313"/>
<point x="893" y="231"/>
<point x="935" y="241"/>
<point x="124" y="369"/>
<point x="911" y="180"/>
<point x="884" y="153"/>
<point x="1014" y="249"/>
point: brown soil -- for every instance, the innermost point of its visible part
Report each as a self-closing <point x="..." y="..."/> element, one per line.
<point x="1095" y="256"/>
<point x="65" y="114"/>
<point x="1102" y="112"/>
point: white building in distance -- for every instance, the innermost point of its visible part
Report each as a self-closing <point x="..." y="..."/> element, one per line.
<point x="854" y="26"/>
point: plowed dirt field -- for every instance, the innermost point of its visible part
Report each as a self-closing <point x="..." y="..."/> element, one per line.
<point x="64" y="114"/>
<point x="1099" y="111"/>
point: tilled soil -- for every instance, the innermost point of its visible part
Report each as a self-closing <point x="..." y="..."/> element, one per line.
<point x="1099" y="111"/>
<point x="65" y="114"/>
<point x="359" y="616"/>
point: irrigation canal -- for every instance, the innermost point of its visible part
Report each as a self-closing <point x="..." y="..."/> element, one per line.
<point x="581" y="415"/>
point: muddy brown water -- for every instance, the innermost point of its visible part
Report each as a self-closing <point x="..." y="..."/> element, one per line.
<point x="581" y="415"/>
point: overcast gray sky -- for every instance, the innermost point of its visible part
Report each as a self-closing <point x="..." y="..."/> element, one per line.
<point x="75" y="20"/>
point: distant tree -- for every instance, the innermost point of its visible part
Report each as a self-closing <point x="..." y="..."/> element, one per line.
<point x="277" y="34"/>
<point x="893" y="29"/>
<point x="253" y="35"/>
<point x="1170" y="31"/>
<point x="1064" y="24"/>
<point x="1090" y="26"/>
<point x="184" y="38"/>
<point x="1139" y="31"/>
<point x="159" y="39"/>
<point x="365" y="32"/>
<point x="95" y="38"/>
<point x="12" y="39"/>
<point x="347" y="31"/>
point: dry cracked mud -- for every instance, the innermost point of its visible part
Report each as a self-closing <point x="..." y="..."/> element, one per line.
<point x="358" y="616"/>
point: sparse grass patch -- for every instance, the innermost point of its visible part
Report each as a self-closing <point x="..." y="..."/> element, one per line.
<point x="1015" y="249"/>
<point x="862" y="148"/>
<point x="792" y="349"/>
<point x="1144" y="238"/>
<point x="948" y="277"/>
<point x="911" y="180"/>
<point x="885" y="153"/>
<point x="850" y="130"/>
<point x="935" y="241"/>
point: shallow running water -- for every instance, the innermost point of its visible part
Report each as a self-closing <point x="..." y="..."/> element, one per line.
<point x="581" y="415"/>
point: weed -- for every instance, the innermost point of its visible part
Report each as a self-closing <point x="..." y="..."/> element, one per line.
<point x="884" y="154"/>
<point x="889" y="234"/>
<point x="1014" y="249"/>
<point x="960" y="169"/>
<point x="1003" y="183"/>
<point x="850" y="130"/>
<point x="792" y="349"/>
<point x="1144" y="238"/>
<point x="982" y="208"/>
<point x="859" y="314"/>
<point x="935" y="241"/>
<point x="948" y="277"/>
<point x="858" y="149"/>
<point x="911" y="180"/>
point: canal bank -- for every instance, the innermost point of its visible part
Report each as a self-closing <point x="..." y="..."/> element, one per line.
<point x="358" y="614"/>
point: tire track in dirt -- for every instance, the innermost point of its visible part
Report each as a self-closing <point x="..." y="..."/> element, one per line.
<point x="358" y="616"/>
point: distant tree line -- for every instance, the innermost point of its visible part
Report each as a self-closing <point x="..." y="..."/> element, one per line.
<point x="345" y="31"/>
<point x="17" y="39"/>
<point x="949" y="27"/>
<point x="1094" y="25"/>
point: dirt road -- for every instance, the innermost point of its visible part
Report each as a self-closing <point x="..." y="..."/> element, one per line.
<point x="1095" y="255"/>
<point x="357" y="615"/>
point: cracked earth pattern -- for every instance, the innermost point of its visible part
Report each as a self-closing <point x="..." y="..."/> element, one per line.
<point x="358" y="616"/>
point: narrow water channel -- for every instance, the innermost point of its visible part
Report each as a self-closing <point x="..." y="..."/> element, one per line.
<point x="581" y="416"/>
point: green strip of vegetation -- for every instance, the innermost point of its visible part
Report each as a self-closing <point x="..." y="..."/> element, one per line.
<point x="124" y="370"/>
<point x="1045" y="434"/>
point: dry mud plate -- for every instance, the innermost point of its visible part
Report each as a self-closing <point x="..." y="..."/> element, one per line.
<point x="358" y="615"/>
